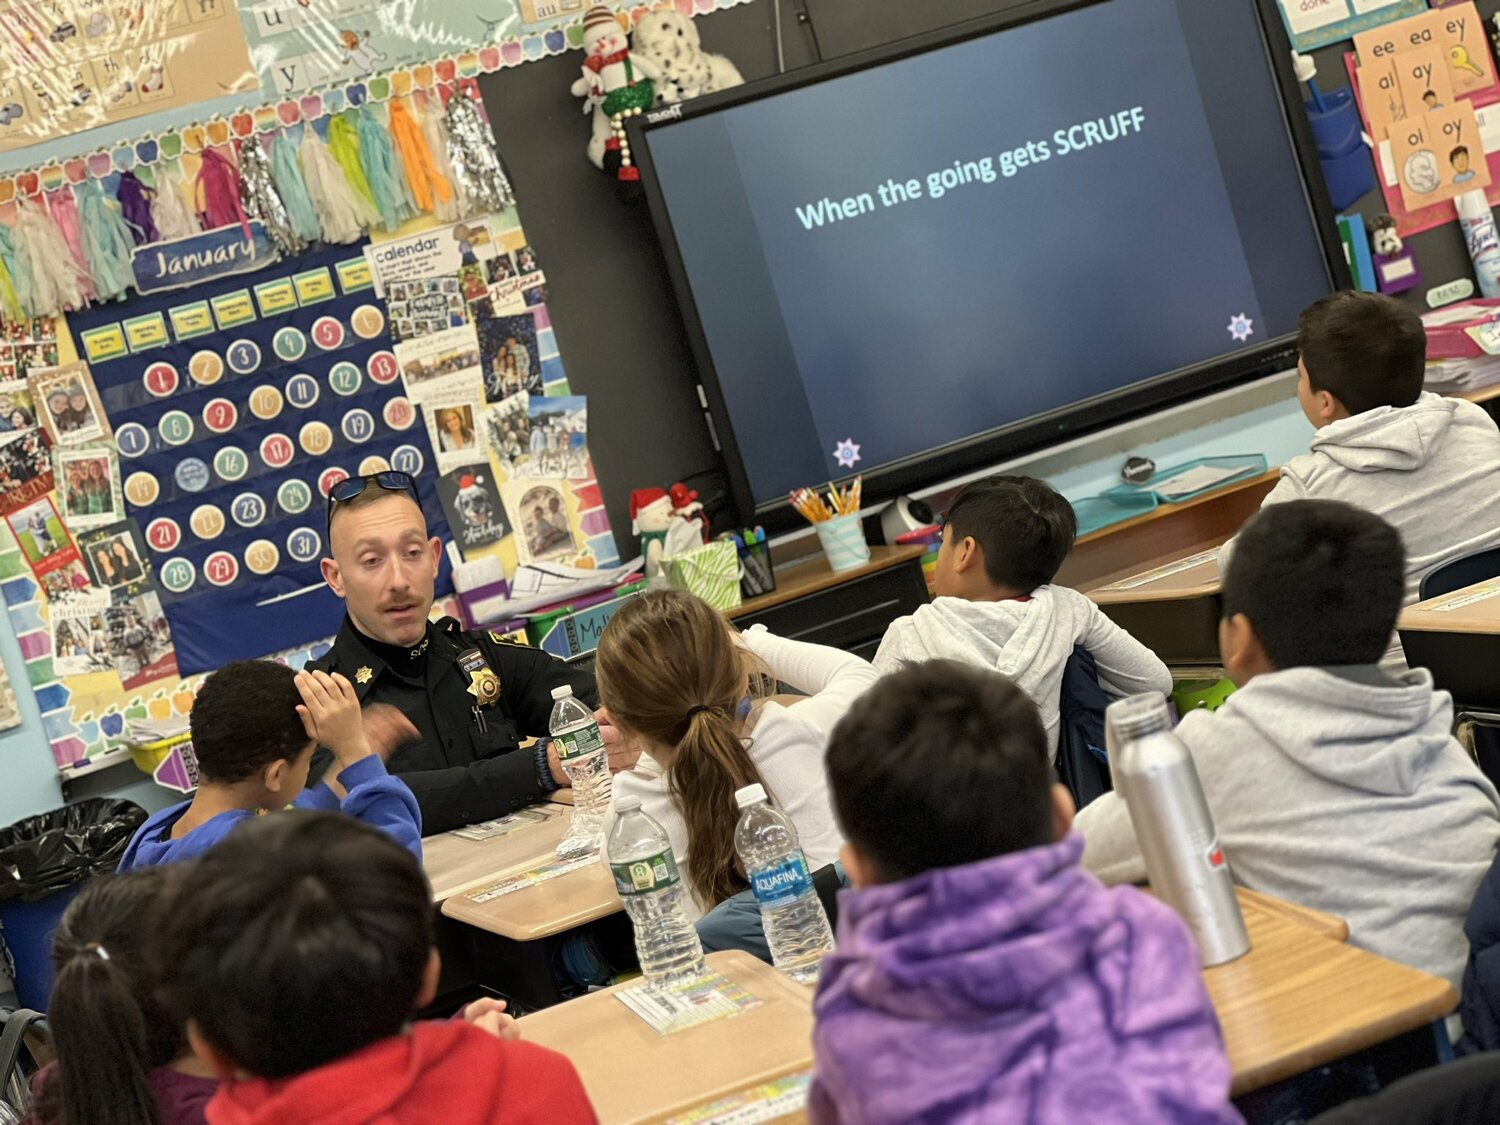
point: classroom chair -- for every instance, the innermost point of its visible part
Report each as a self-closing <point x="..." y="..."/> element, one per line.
<point x="1478" y="732"/>
<point x="25" y="1046"/>
<point x="1476" y="567"/>
<point x="1082" y="764"/>
<point x="1463" y="1093"/>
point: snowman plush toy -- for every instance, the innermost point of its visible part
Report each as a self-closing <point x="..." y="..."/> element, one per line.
<point x="617" y="86"/>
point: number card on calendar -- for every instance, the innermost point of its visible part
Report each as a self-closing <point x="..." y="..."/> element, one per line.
<point x="230" y="438"/>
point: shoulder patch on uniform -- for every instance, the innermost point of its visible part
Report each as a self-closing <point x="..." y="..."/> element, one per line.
<point x="507" y="638"/>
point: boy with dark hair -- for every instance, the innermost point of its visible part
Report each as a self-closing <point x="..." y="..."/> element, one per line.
<point x="255" y="726"/>
<point x="1035" y="993"/>
<point x="1332" y="784"/>
<point x="1003" y="541"/>
<point x="299" y="949"/>
<point x="1427" y="465"/>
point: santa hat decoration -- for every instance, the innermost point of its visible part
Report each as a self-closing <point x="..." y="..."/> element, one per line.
<point x="466" y="482"/>
<point x="598" y="16"/>
<point x="682" y="495"/>
<point x="643" y="498"/>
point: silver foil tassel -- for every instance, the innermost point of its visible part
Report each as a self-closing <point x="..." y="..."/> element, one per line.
<point x="262" y="201"/>
<point x="476" y="164"/>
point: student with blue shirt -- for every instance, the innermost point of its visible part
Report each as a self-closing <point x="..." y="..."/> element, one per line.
<point x="255" y="725"/>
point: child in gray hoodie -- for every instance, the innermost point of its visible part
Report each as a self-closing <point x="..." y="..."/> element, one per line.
<point x="1003" y="541"/>
<point x="1428" y="465"/>
<point x="1332" y="784"/>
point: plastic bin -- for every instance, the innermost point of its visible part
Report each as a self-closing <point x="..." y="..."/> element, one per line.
<point x="44" y="862"/>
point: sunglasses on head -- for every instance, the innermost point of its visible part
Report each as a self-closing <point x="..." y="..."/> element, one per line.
<point x="392" y="480"/>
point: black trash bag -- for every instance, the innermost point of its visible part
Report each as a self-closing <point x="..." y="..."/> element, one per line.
<point x="44" y="854"/>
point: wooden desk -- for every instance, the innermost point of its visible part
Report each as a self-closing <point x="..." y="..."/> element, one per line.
<point x="532" y="913"/>
<point x="1457" y="637"/>
<point x="1171" y="607"/>
<point x="632" y="1074"/>
<point x="1300" y="999"/>
<point x="455" y="865"/>
<point x="849" y="609"/>
<point x="1328" y="925"/>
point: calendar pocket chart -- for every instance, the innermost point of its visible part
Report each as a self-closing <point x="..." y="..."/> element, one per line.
<point x="257" y="394"/>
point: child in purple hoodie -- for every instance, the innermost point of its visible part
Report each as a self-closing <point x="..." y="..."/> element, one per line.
<point x="981" y="974"/>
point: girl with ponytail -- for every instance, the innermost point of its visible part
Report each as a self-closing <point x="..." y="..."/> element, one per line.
<point x="674" y="675"/>
<point x="121" y="1058"/>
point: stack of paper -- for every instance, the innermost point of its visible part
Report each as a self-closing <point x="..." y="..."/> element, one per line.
<point x="1449" y="375"/>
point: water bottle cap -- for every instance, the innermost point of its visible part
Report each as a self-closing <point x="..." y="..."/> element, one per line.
<point x="750" y="795"/>
<point x="627" y="804"/>
<point x="562" y="691"/>
<point x="1138" y="715"/>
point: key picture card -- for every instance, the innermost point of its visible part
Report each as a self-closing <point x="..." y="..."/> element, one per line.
<point x="1439" y="155"/>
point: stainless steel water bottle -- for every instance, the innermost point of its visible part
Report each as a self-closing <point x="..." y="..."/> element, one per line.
<point x="1154" y="774"/>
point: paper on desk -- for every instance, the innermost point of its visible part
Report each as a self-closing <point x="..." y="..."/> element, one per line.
<point x="1195" y="480"/>
<point x="1162" y="571"/>
<point x="544" y="584"/>
<point x="524" y="879"/>
<point x="766" y="1102"/>
<point x="681" y="1006"/>
<point x="1483" y="594"/>
<point x="489" y="829"/>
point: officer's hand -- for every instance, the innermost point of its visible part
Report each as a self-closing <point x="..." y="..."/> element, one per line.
<point x="623" y="750"/>
<point x="330" y="713"/>
<point x="387" y="729"/>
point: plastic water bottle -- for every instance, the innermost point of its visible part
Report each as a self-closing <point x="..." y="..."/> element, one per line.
<point x="796" y="925"/>
<point x="580" y="750"/>
<point x="1155" y="774"/>
<point x="645" y="871"/>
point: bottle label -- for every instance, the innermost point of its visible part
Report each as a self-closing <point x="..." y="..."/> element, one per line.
<point x="642" y="876"/>
<point x="782" y="883"/>
<point x="577" y="743"/>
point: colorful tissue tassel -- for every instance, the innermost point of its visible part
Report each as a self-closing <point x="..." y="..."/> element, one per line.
<point x="262" y="200"/>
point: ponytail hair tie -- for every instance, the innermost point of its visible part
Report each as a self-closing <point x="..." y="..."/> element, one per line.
<point x="97" y="950"/>
<point x="693" y="710"/>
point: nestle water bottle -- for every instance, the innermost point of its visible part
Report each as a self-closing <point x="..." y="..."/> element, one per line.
<point x="796" y="926"/>
<point x="580" y="749"/>
<point x="645" y="870"/>
<point x="1155" y="775"/>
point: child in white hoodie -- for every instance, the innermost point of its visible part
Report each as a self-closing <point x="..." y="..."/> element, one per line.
<point x="1003" y="541"/>
<point x="1332" y="784"/>
<point x="1428" y="465"/>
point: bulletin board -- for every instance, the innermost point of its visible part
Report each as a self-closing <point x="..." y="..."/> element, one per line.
<point x="236" y="406"/>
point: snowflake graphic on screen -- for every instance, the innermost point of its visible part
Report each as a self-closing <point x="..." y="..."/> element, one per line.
<point x="847" y="453"/>
<point x="1241" y="327"/>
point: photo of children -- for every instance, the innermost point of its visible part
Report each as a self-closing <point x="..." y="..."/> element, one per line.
<point x="526" y="261"/>
<point x="542" y="520"/>
<point x="501" y="268"/>
<point x="80" y="636"/>
<point x="426" y="305"/>
<point x="69" y="404"/>
<point x="115" y="556"/>
<point x="25" y="344"/>
<point x="88" y="490"/>
<point x="508" y="352"/>
<point x="558" y="441"/>
<point x="25" y="469"/>
<point x="67" y="583"/>
<point x="140" y="642"/>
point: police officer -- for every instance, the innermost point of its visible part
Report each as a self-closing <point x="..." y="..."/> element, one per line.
<point x="469" y="696"/>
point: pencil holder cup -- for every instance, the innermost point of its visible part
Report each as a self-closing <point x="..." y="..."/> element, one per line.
<point x="756" y="576"/>
<point x="843" y="540"/>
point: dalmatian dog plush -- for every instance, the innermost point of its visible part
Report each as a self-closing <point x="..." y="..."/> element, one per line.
<point x="670" y="41"/>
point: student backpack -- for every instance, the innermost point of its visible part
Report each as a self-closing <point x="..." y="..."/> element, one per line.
<point x="1082" y="764"/>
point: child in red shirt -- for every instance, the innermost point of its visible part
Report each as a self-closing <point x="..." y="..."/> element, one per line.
<point x="300" y="946"/>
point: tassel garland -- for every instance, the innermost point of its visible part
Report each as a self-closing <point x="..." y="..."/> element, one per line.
<point x="475" y="161"/>
<point x="106" y="242"/>
<point x="135" y="208"/>
<point x="287" y="174"/>
<point x="262" y="201"/>
<point x="367" y="168"/>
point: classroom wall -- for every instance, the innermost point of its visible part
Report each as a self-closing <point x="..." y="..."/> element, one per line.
<point x="621" y="340"/>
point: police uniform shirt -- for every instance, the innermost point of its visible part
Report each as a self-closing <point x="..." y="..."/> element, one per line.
<point x="466" y="766"/>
